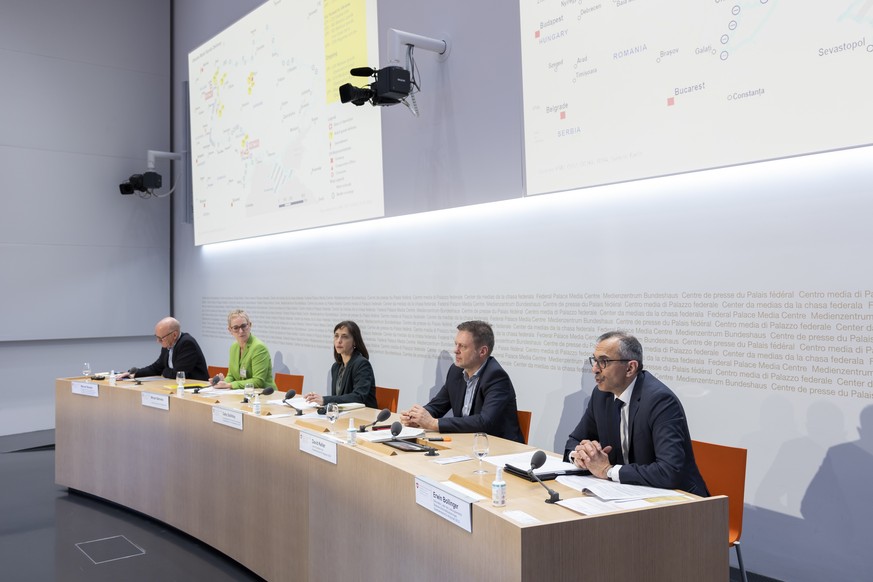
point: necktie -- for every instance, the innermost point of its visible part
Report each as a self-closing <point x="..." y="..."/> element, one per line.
<point x="615" y="433"/>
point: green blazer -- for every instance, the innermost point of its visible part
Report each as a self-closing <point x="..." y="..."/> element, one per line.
<point x="257" y="362"/>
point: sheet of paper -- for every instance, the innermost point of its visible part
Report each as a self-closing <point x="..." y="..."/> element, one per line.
<point x="463" y="490"/>
<point x="611" y="491"/>
<point x="297" y="402"/>
<point x="590" y="505"/>
<point x="521" y="517"/>
<point x="450" y="460"/>
<point x="385" y="435"/>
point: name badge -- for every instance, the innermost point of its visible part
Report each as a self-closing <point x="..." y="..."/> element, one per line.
<point x="160" y="401"/>
<point x="448" y="504"/>
<point x="227" y="417"/>
<point x="86" y="389"/>
<point x="317" y="446"/>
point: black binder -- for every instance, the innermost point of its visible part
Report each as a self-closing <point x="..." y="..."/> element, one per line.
<point x="543" y="476"/>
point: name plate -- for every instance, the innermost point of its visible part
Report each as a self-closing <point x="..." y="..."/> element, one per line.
<point x="318" y="446"/>
<point x="86" y="389"/>
<point x="161" y="401"/>
<point x="227" y="417"/>
<point x="449" y="505"/>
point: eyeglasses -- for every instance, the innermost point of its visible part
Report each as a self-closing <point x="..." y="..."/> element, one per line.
<point x="240" y="327"/>
<point x="603" y="361"/>
<point x="162" y="338"/>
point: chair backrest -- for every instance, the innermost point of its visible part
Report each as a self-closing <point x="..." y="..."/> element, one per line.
<point x="524" y="423"/>
<point x="387" y="398"/>
<point x="724" y="470"/>
<point x="215" y="370"/>
<point x="289" y="382"/>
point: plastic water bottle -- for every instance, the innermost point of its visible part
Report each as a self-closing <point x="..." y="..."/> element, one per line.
<point x="498" y="489"/>
<point x="353" y="433"/>
<point x="256" y="406"/>
<point x="112" y="378"/>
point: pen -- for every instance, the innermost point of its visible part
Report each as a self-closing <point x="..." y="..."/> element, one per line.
<point x="383" y="427"/>
<point x="440" y="439"/>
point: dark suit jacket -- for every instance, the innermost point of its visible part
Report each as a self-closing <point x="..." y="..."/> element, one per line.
<point x="187" y="357"/>
<point x="659" y="452"/>
<point x="494" y="410"/>
<point x="358" y="385"/>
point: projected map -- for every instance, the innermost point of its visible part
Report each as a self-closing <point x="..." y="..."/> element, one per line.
<point x="626" y="89"/>
<point x="272" y="149"/>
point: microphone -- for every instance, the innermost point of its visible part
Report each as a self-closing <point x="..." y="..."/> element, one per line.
<point x="362" y="72"/>
<point x="383" y="415"/>
<point x="537" y="461"/>
<point x="267" y="391"/>
<point x="215" y="380"/>
<point x="133" y="371"/>
<point x="395" y="429"/>
<point x="288" y="396"/>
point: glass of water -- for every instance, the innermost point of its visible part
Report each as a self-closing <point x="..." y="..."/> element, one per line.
<point x="249" y="392"/>
<point x="332" y="412"/>
<point x="480" y="449"/>
<point x="86" y="369"/>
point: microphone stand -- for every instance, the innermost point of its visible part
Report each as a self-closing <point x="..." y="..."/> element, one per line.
<point x="554" y="496"/>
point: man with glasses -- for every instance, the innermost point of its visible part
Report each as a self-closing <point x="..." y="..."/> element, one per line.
<point x="634" y="430"/>
<point x="179" y="353"/>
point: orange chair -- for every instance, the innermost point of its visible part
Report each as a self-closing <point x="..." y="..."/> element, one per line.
<point x="524" y="423"/>
<point x="724" y="470"/>
<point x="387" y="398"/>
<point x="215" y="370"/>
<point x="289" y="382"/>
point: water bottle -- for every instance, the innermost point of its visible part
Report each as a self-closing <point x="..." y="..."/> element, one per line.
<point x="256" y="406"/>
<point x="112" y="378"/>
<point x="498" y="489"/>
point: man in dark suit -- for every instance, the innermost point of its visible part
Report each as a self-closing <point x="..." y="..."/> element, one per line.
<point x="477" y="390"/>
<point x="179" y="353"/>
<point x="634" y="430"/>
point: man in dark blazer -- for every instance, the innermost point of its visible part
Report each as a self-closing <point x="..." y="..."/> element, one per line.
<point x="634" y="430"/>
<point x="180" y="352"/>
<point x="477" y="390"/>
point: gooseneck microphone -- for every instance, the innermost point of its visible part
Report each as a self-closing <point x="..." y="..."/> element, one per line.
<point x="267" y="391"/>
<point x="537" y="461"/>
<point x="396" y="428"/>
<point x="133" y="371"/>
<point x="215" y="380"/>
<point x="288" y="396"/>
<point x="383" y="415"/>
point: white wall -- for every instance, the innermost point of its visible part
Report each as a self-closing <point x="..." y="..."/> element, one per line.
<point x="87" y="93"/>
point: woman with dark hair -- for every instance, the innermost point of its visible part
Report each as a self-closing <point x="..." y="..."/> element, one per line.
<point x="351" y="376"/>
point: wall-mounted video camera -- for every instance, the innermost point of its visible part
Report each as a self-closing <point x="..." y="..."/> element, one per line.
<point x="390" y="85"/>
<point x="141" y="183"/>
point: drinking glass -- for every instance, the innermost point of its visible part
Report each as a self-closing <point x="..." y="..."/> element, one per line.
<point x="480" y="449"/>
<point x="180" y="379"/>
<point x="332" y="412"/>
<point x="249" y="392"/>
<point x="86" y="369"/>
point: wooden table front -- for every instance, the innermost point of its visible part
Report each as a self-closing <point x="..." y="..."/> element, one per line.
<point x="286" y="515"/>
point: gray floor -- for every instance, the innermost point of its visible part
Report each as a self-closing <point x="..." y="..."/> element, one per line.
<point x="45" y="530"/>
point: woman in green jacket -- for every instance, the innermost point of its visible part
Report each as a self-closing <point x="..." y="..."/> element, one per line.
<point x="250" y="361"/>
